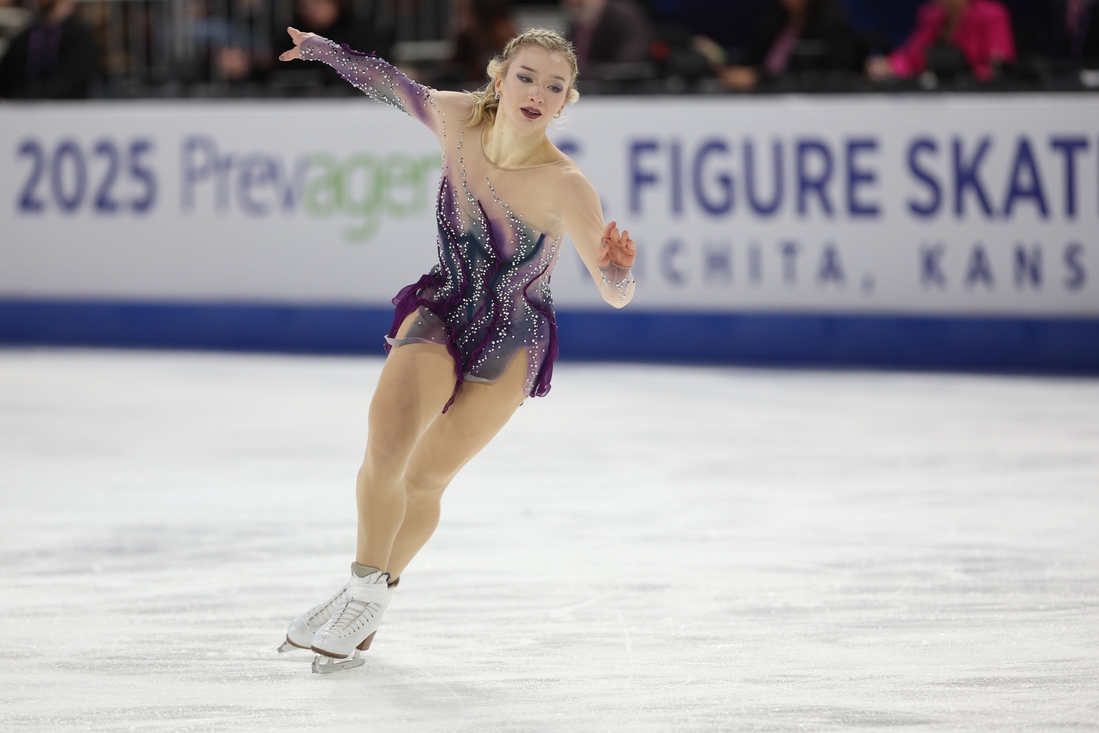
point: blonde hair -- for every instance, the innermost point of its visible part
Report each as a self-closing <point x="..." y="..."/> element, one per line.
<point x="485" y="101"/>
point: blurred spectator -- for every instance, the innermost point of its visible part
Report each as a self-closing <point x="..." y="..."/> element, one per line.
<point x="56" y="57"/>
<point x="979" y="29"/>
<point x="238" y="46"/>
<point x="234" y="62"/>
<point x="13" y="19"/>
<point x="483" y="28"/>
<point x="607" y="32"/>
<point x="797" y="35"/>
<point x="1076" y="28"/>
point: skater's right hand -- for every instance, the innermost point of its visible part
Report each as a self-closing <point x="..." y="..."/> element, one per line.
<point x="298" y="37"/>
<point x="616" y="249"/>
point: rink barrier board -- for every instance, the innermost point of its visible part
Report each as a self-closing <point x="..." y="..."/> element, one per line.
<point x="938" y="206"/>
<point x="997" y="344"/>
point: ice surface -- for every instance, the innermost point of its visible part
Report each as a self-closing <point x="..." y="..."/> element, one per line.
<point x="646" y="549"/>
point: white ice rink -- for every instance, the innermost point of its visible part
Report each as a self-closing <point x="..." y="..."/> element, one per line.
<point x="647" y="549"/>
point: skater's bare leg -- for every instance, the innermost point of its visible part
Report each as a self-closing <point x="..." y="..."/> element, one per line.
<point x="415" y="384"/>
<point x="451" y="440"/>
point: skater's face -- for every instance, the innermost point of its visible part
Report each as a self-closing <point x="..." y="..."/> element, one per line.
<point x="535" y="87"/>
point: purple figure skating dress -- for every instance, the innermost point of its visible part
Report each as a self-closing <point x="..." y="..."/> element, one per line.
<point x="488" y="298"/>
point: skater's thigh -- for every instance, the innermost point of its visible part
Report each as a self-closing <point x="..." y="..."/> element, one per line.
<point x="414" y="386"/>
<point x="453" y="438"/>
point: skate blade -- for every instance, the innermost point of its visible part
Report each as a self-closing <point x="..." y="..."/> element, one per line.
<point x="325" y="663"/>
<point x="289" y="646"/>
<point x="328" y="665"/>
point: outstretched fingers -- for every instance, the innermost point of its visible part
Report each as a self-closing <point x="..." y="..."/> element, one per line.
<point x="297" y="37"/>
<point x="616" y="247"/>
<point x="624" y="251"/>
<point x="610" y="237"/>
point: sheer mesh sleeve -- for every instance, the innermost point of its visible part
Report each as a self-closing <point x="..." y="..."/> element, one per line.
<point x="617" y="278"/>
<point x="376" y="77"/>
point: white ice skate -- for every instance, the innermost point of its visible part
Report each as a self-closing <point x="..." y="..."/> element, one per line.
<point x="353" y="625"/>
<point x="299" y="635"/>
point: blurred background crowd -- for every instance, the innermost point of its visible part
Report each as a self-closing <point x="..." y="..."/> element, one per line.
<point x="52" y="49"/>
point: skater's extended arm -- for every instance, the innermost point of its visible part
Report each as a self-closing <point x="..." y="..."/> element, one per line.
<point x="606" y="253"/>
<point x="374" y="76"/>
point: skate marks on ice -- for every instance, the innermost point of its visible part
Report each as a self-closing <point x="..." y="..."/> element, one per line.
<point x="738" y="550"/>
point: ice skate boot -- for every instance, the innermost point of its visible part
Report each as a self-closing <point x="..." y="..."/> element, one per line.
<point x="353" y="625"/>
<point x="299" y="635"/>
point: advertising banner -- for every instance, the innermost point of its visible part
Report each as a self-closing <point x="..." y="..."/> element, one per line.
<point x="940" y="206"/>
<point x="961" y="205"/>
<point x="324" y="202"/>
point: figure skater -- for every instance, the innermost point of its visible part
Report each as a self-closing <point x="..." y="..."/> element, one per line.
<point x="473" y="338"/>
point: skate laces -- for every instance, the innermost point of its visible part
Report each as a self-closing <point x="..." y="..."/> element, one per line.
<point x="351" y="614"/>
<point x="364" y="602"/>
<point x="325" y="610"/>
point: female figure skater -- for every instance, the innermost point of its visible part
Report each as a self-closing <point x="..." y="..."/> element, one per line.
<point x="476" y="336"/>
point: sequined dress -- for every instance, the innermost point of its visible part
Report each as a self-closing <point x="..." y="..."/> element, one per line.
<point x="488" y="298"/>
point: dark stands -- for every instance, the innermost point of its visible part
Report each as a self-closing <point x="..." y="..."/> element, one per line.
<point x="56" y="57"/>
<point x="227" y="48"/>
<point x="883" y="22"/>
<point x="1055" y="37"/>
<point x="336" y="21"/>
<point x="798" y="37"/>
<point x="608" y="34"/>
<point x="481" y="29"/>
<point x="13" y="21"/>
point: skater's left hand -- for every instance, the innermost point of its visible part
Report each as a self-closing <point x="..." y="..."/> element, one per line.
<point x="616" y="248"/>
<point x="297" y="37"/>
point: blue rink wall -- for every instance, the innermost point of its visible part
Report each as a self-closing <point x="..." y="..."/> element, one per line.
<point x="1037" y="345"/>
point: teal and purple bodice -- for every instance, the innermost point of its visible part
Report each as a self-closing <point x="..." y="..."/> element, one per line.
<point x="488" y="298"/>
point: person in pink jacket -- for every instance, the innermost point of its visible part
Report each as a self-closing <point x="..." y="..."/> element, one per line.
<point x="981" y="29"/>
